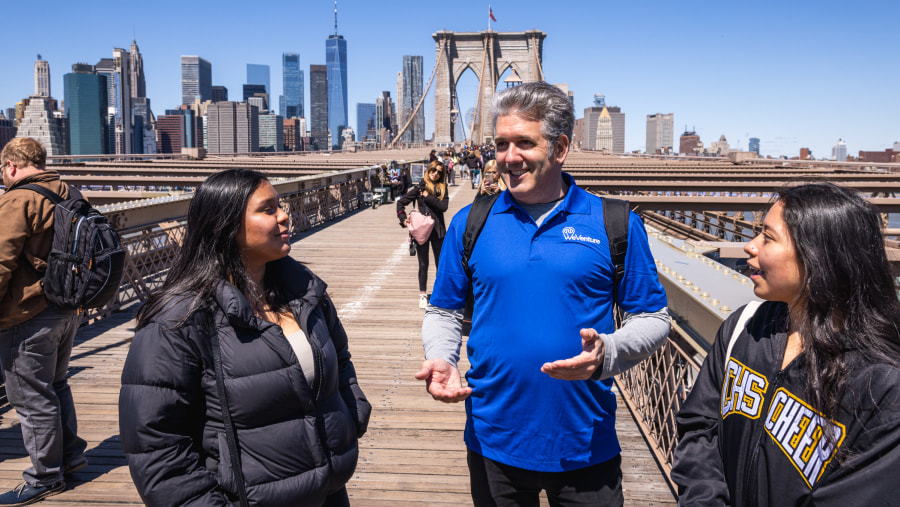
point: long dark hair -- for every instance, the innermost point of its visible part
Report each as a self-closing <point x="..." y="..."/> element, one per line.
<point x="209" y="252"/>
<point x="849" y="301"/>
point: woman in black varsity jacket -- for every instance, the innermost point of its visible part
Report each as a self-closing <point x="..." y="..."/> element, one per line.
<point x="806" y="408"/>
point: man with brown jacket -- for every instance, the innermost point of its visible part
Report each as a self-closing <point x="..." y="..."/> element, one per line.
<point x="36" y="337"/>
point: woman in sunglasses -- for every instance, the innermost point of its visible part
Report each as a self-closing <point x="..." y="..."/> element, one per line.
<point x="432" y="199"/>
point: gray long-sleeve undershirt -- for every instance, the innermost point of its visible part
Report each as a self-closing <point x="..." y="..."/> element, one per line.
<point x="640" y="335"/>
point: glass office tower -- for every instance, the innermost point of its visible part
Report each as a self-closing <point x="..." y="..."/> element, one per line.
<point x="86" y="107"/>
<point x="293" y="86"/>
<point x="259" y="75"/>
<point x="336" y="63"/>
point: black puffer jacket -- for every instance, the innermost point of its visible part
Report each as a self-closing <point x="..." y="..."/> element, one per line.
<point x="430" y="205"/>
<point x="298" y="442"/>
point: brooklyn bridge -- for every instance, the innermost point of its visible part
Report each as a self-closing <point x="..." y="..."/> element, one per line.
<point x="697" y="214"/>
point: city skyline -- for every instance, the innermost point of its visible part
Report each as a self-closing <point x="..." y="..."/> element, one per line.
<point x="793" y="75"/>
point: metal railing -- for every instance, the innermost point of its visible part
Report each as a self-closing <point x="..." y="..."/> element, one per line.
<point x="655" y="389"/>
<point x="152" y="246"/>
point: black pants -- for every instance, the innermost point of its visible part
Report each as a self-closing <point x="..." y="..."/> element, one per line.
<point x="422" y="254"/>
<point x="497" y="485"/>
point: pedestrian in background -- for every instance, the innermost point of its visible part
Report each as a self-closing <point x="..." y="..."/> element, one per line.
<point x="432" y="199"/>
<point x="36" y="336"/>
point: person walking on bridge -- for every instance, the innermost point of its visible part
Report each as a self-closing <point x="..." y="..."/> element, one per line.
<point x="432" y="199"/>
<point x="36" y="336"/>
<point x="542" y="280"/>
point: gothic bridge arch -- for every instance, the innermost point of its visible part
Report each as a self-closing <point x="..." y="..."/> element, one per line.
<point x="489" y="54"/>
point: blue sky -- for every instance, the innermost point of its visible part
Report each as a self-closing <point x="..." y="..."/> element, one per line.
<point x="795" y="74"/>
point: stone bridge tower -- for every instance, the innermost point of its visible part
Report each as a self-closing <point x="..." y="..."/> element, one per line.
<point x="489" y="54"/>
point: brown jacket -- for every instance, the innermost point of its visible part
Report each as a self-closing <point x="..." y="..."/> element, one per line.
<point x="26" y="233"/>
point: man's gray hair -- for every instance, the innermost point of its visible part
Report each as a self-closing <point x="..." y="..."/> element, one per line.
<point x="538" y="101"/>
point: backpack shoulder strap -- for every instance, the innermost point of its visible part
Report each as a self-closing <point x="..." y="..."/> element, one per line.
<point x="44" y="191"/>
<point x="615" y="219"/>
<point x="748" y="312"/>
<point x="478" y="213"/>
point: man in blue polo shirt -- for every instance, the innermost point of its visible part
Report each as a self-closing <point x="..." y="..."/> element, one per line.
<point x="542" y="279"/>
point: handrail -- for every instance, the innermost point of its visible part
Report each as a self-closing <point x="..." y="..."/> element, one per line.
<point x="655" y="389"/>
<point x="153" y="244"/>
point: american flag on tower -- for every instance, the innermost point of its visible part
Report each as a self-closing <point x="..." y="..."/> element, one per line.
<point x="491" y="14"/>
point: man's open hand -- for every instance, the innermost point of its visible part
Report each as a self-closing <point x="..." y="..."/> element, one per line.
<point x="442" y="381"/>
<point x="582" y="366"/>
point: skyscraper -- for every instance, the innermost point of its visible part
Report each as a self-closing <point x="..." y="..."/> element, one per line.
<point x="318" y="106"/>
<point x="271" y="132"/>
<point x="292" y="107"/>
<point x="171" y="133"/>
<point x="754" y="147"/>
<point x="294" y="132"/>
<point x="615" y="127"/>
<point x="336" y="61"/>
<point x="839" y="151"/>
<point x="142" y="121"/>
<point x="196" y="79"/>
<point x="412" y="93"/>
<point x="384" y="119"/>
<point x="689" y="142"/>
<point x="660" y="132"/>
<point x="136" y="71"/>
<point x="259" y="75"/>
<point x="86" y="107"/>
<point x="41" y="77"/>
<point x="38" y="123"/>
<point x="123" y="122"/>
<point x="232" y="127"/>
<point x="618" y="128"/>
<point x="7" y="130"/>
<point x="256" y="90"/>
<point x="219" y="94"/>
<point x="604" y="131"/>
<point x="365" y="120"/>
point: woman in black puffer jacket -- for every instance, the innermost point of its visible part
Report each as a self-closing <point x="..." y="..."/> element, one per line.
<point x="237" y="316"/>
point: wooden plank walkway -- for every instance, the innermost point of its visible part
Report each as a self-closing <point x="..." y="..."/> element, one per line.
<point x="413" y="453"/>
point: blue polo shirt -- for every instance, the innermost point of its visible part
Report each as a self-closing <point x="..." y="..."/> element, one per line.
<point x="535" y="289"/>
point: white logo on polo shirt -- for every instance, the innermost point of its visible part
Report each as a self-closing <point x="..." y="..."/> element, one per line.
<point x="570" y="235"/>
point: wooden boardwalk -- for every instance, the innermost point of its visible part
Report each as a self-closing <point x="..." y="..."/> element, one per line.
<point x="413" y="453"/>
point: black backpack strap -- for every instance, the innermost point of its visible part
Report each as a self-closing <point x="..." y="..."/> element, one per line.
<point x="615" y="220"/>
<point x="230" y="433"/>
<point x="44" y="191"/>
<point x="478" y="213"/>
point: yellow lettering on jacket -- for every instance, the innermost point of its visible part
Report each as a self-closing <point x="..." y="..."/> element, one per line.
<point x="800" y="433"/>
<point x="742" y="391"/>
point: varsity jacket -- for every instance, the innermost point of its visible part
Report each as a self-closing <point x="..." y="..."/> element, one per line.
<point x="750" y="437"/>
